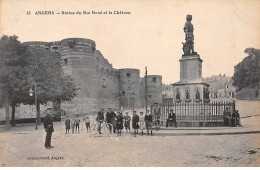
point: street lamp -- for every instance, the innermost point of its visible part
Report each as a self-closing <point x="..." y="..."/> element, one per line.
<point x="31" y="81"/>
<point x="31" y="92"/>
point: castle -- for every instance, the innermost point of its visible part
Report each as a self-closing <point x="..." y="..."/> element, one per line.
<point x="101" y="85"/>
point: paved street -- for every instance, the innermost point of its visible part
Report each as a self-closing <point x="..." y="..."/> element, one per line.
<point x="204" y="146"/>
<point x="22" y="144"/>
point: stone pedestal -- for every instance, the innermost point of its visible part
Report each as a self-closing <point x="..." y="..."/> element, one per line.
<point x="191" y="67"/>
<point x="190" y="87"/>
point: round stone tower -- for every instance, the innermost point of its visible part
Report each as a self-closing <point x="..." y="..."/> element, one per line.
<point x="78" y="60"/>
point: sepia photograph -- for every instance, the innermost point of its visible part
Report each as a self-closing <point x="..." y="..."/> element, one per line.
<point x="129" y="83"/>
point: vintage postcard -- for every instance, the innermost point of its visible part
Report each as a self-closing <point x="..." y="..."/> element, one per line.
<point x="129" y="83"/>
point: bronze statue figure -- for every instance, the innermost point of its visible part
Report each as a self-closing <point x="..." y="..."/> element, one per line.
<point x="188" y="46"/>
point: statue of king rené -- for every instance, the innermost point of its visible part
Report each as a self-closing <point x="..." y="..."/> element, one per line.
<point x="188" y="46"/>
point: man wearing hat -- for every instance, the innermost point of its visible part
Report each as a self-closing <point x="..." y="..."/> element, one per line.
<point x="171" y="119"/>
<point x="48" y="126"/>
<point x="109" y="118"/>
<point x="100" y="119"/>
<point x="157" y="115"/>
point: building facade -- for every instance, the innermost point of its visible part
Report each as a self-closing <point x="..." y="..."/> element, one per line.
<point x="220" y="87"/>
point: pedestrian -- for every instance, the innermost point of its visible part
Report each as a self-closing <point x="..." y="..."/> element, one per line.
<point x="157" y="115"/>
<point x="148" y="122"/>
<point x="109" y="119"/>
<point x="142" y="123"/>
<point x="67" y="125"/>
<point x="235" y="120"/>
<point x="100" y="119"/>
<point x="227" y="117"/>
<point x="73" y="124"/>
<point x="87" y="122"/>
<point x="171" y="119"/>
<point x="127" y="122"/>
<point x="77" y="121"/>
<point x="135" y="121"/>
<point x="48" y="126"/>
<point x="119" y="125"/>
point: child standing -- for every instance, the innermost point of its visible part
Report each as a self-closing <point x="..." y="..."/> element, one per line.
<point x="87" y="121"/>
<point x="135" y="122"/>
<point x="142" y="123"/>
<point x="148" y="122"/>
<point x="119" y="124"/>
<point x="77" y="123"/>
<point x="73" y="124"/>
<point x="67" y="125"/>
<point x="127" y="122"/>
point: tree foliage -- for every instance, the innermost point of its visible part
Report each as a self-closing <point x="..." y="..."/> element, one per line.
<point x="247" y="72"/>
<point x="20" y="63"/>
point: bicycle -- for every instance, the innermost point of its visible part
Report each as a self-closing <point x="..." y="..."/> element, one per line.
<point x="105" y="128"/>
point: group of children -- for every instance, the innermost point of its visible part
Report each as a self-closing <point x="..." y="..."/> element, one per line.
<point x="73" y="124"/>
<point x="141" y="122"/>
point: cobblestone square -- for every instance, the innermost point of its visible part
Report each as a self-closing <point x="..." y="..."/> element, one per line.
<point x="23" y="146"/>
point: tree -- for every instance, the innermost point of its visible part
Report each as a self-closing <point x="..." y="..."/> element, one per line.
<point x="14" y="61"/>
<point x="247" y="72"/>
<point x="19" y="63"/>
<point x="52" y="84"/>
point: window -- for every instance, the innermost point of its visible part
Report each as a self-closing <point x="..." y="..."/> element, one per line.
<point x="123" y="93"/>
<point x="178" y="95"/>
<point x="104" y="83"/>
<point x="150" y="96"/>
<point x="127" y="74"/>
<point x="55" y="48"/>
<point x="154" y="79"/>
<point x="65" y="61"/>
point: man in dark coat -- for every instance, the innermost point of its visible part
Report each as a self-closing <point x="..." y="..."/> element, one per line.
<point x="100" y="119"/>
<point x="171" y="119"/>
<point x="109" y="118"/>
<point x="235" y="120"/>
<point x="48" y="126"/>
<point x="227" y="117"/>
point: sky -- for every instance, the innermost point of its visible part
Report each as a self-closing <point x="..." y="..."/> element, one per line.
<point x="151" y="35"/>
